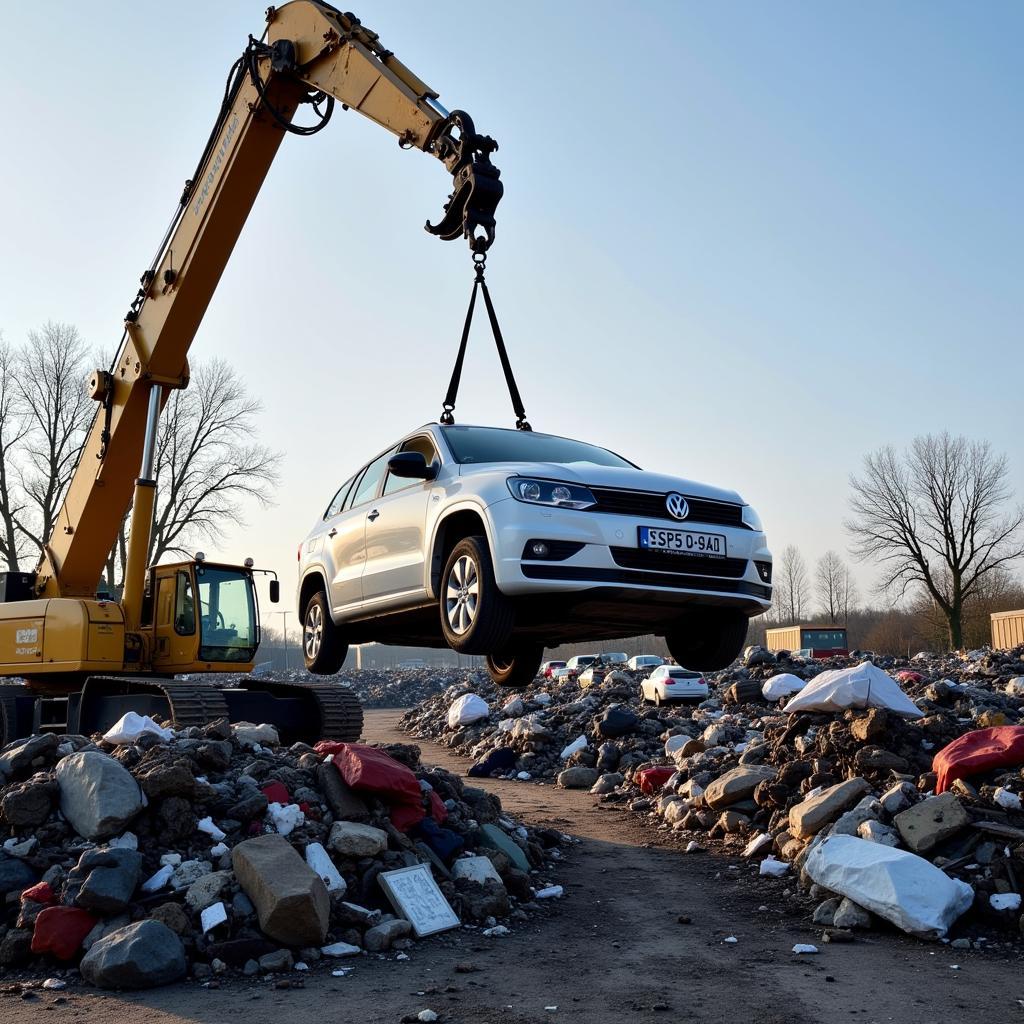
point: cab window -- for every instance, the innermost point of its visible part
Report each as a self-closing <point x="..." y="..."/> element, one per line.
<point x="425" y="447"/>
<point x="366" y="489"/>
<point x="184" y="605"/>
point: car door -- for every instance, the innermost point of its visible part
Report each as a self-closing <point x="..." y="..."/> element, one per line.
<point x="396" y="532"/>
<point x="345" y="540"/>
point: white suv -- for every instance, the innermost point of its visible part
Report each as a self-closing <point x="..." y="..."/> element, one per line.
<point x="504" y="542"/>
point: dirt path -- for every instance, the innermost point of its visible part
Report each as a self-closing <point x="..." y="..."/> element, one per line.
<point x="612" y="950"/>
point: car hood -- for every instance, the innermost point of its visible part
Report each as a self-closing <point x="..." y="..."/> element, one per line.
<point x="603" y="476"/>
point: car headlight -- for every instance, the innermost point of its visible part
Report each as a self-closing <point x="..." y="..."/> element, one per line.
<point x="752" y="519"/>
<point x="550" y="492"/>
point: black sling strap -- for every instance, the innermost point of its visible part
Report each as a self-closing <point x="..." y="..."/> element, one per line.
<point x="510" y="380"/>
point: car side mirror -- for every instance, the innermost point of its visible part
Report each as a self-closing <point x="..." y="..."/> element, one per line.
<point x="275" y="591"/>
<point x="411" y="465"/>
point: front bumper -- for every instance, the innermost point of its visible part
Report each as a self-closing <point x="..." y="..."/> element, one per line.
<point x="610" y="557"/>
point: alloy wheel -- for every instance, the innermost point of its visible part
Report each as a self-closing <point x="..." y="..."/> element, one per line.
<point x="314" y="631"/>
<point x="462" y="596"/>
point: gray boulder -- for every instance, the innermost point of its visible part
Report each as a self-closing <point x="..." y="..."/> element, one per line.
<point x="97" y="795"/>
<point x="105" y="879"/>
<point x="15" y="875"/>
<point x="143" y="955"/>
<point x="578" y="778"/>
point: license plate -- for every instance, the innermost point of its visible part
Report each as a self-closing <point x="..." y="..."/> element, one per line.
<point x="683" y="542"/>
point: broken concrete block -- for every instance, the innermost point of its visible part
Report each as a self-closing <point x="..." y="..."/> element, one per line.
<point x="811" y="815"/>
<point x="290" y="898"/>
<point x="930" y="822"/>
<point x="353" y="839"/>
<point x="736" y="785"/>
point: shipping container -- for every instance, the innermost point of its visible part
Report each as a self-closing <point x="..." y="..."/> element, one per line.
<point x="1007" y="630"/>
<point x="813" y="641"/>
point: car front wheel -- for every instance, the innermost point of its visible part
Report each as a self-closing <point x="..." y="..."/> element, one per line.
<point x="516" y="666"/>
<point x="476" y="617"/>
<point x="323" y="649"/>
<point x="710" y="641"/>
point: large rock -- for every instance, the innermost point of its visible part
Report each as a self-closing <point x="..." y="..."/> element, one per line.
<point x="290" y="898"/>
<point x="345" y="803"/>
<point x="737" y="784"/>
<point x="15" y="876"/>
<point x="20" y="755"/>
<point x="205" y="891"/>
<point x="380" y="936"/>
<point x="810" y="816"/>
<point x="104" y="879"/>
<point x="97" y="795"/>
<point x="143" y="955"/>
<point x="930" y="822"/>
<point x="617" y="721"/>
<point x="578" y="777"/>
<point x="28" y="804"/>
<point x="353" y="839"/>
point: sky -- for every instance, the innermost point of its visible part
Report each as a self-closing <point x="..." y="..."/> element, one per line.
<point x="743" y="243"/>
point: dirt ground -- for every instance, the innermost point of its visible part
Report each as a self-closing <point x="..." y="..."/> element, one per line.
<point x="613" y="949"/>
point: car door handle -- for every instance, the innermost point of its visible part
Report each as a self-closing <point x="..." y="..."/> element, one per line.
<point x="333" y="533"/>
<point x="373" y="515"/>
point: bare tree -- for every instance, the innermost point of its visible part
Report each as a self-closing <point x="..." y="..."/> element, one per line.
<point x="207" y="466"/>
<point x="828" y="583"/>
<point x="936" y="518"/>
<point x="13" y="427"/>
<point x="849" y="595"/>
<point x="50" y="386"/>
<point x="791" y="584"/>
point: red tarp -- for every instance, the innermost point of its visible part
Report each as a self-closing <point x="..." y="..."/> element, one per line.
<point x="652" y="779"/>
<point x="979" y="751"/>
<point x="369" y="770"/>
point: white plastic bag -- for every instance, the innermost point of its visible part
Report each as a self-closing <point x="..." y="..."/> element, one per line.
<point x="129" y="727"/>
<point x="905" y="889"/>
<point x="782" y="685"/>
<point x="862" y="686"/>
<point x="467" y="709"/>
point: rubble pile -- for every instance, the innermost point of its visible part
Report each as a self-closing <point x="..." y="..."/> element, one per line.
<point x="870" y="787"/>
<point x="146" y="855"/>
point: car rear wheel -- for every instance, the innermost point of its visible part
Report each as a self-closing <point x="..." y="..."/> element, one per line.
<point x="476" y="617"/>
<point x="657" y="699"/>
<point x="710" y="641"/>
<point x="515" y="667"/>
<point x="323" y="649"/>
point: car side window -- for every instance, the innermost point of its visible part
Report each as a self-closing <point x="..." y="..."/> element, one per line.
<point x="338" y="501"/>
<point x="425" y="447"/>
<point x="366" y="489"/>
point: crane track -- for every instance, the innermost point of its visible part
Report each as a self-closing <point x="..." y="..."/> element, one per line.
<point x="341" y="712"/>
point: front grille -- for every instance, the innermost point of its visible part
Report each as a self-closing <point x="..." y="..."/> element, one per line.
<point x="693" y="565"/>
<point x="651" y="505"/>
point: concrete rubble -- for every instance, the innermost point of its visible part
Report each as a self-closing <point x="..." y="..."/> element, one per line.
<point x="770" y="787"/>
<point x="216" y="850"/>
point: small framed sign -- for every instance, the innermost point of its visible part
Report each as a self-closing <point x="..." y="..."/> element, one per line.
<point x="415" y="896"/>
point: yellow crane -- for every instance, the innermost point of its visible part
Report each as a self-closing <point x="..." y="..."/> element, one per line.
<point x="85" y="659"/>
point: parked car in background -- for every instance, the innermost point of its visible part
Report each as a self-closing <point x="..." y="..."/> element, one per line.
<point x="673" y="683"/>
<point x="616" y="658"/>
<point x="575" y="665"/>
<point x="548" y="669"/>
<point x="644" y="662"/>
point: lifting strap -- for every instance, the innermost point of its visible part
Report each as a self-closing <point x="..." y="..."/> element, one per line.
<point x="453" y="386"/>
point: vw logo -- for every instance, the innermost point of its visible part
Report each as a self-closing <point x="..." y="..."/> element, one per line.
<point x="677" y="506"/>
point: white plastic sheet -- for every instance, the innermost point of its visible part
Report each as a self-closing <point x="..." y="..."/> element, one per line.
<point x="128" y="728"/>
<point x="862" y="686"/>
<point x="467" y="709"/>
<point x="785" y="684"/>
<point x="907" y="890"/>
<point x="580" y="743"/>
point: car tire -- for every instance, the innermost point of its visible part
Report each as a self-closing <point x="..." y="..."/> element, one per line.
<point x="640" y="694"/>
<point x="708" y="642"/>
<point x="476" y="617"/>
<point x="516" y="666"/>
<point x="657" y="699"/>
<point x="323" y="648"/>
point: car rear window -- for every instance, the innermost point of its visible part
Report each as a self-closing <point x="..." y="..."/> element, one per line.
<point x="679" y="673"/>
<point x="495" y="444"/>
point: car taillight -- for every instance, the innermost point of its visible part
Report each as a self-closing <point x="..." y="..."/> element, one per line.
<point x="669" y="681"/>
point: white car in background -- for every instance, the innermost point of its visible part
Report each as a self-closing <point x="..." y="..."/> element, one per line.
<point x="673" y="683"/>
<point x="644" y="662"/>
<point x="506" y="542"/>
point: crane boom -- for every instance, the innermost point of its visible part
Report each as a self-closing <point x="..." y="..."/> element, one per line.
<point x="311" y="53"/>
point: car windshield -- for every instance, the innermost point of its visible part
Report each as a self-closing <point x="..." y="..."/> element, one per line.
<point x="494" y="444"/>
